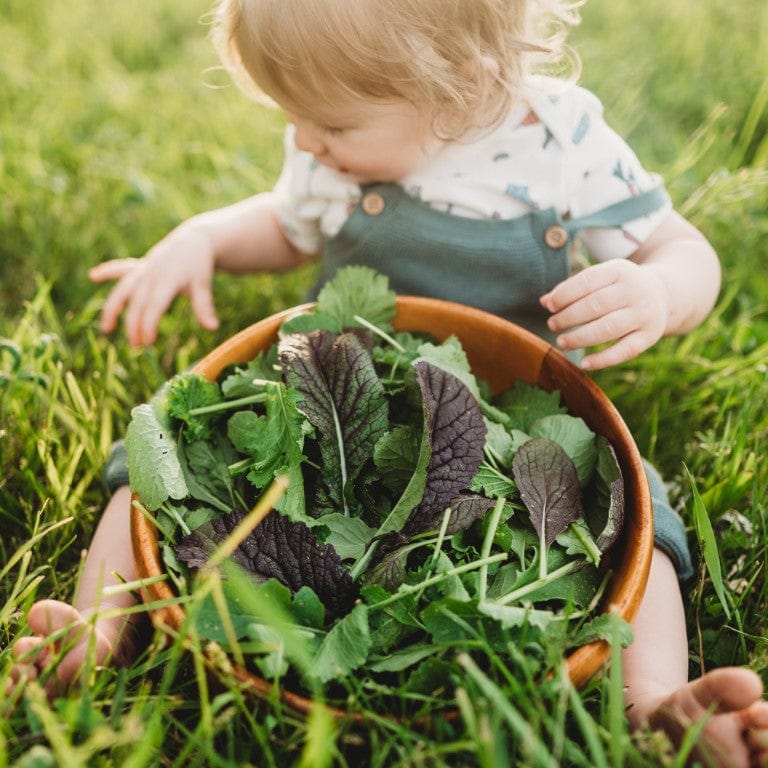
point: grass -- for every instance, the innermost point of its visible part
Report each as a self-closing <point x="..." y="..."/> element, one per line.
<point x="116" y="126"/>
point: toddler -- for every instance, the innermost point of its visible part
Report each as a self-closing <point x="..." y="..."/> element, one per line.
<point x="430" y="140"/>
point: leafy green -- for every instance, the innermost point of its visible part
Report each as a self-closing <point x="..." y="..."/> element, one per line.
<point x="421" y="513"/>
<point x="574" y="436"/>
<point x="342" y="397"/>
<point x="274" y="443"/>
<point x="548" y="485"/>
<point x="154" y="468"/>
<point x="187" y="394"/>
<point x="455" y="429"/>
<point x="605" y="508"/>
<point x="524" y="404"/>
<point x="277" y="548"/>
<point x="357" y="291"/>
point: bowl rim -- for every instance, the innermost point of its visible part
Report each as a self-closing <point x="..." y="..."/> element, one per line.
<point x="626" y="588"/>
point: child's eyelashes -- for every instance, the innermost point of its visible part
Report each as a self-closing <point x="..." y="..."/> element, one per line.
<point x="333" y="130"/>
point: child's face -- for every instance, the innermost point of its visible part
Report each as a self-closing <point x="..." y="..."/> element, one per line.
<point x="367" y="140"/>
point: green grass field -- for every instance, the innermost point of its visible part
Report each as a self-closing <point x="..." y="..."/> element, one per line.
<point x="114" y="127"/>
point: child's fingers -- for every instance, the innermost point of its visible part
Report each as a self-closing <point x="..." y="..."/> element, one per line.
<point x="624" y="349"/>
<point x="600" y="330"/>
<point x="112" y="270"/>
<point x="149" y="302"/>
<point x="598" y="305"/>
<point x="201" y="299"/>
<point x="116" y="302"/>
<point x="582" y="284"/>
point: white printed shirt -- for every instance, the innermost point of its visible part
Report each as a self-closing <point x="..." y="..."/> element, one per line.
<point x="554" y="150"/>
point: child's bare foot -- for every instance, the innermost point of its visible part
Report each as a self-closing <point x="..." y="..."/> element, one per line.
<point x="64" y="642"/>
<point x="735" y="734"/>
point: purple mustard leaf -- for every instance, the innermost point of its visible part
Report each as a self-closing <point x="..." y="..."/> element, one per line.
<point x="456" y="430"/>
<point x="343" y="399"/>
<point x="278" y="548"/>
<point x="549" y="486"/>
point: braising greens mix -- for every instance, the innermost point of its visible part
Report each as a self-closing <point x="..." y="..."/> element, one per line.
<point x="420" y="513"/>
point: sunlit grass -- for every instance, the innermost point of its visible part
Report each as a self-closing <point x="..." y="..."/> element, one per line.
<point x="114" y="126"/>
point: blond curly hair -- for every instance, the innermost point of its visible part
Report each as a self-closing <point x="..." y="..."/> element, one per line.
<point x="464" y="59"/>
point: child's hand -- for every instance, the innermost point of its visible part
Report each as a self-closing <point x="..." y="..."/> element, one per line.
<point x="616" y="301"/>
<point x="181" y="263"/>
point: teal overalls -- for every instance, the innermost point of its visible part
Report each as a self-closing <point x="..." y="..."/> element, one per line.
<point x="502" y="266"/>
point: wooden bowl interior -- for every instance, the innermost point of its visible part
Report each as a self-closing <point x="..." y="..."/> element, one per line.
<point x="500" y="353"/>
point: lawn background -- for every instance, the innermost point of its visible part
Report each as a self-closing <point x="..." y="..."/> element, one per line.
<point x="115" y="125"/>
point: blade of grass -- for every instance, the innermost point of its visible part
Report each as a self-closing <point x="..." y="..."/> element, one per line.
<point x="706" y="537"/>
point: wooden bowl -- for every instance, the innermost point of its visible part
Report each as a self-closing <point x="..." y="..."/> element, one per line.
<point x="499" y="352"/>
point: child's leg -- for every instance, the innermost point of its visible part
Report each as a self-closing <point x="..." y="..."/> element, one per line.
<point x="659" y="694"/>
<point x="81" y="630"/>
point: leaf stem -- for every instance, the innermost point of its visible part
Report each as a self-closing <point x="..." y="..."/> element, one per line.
<point x="407" y="589"/>
<point x="226" y="405"/>
<point x="363" y="560"/>
<point x="485" y="551"/>
<point x="440" y="536"/>
<point x="526" y="589"/>
<point x="378" y="332"/>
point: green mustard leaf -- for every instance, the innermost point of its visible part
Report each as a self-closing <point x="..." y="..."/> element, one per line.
<point x="403" y="659"/>
<point x="344" y="648"/>
<point x="307" y="608"/>
<point x="207" y="475"/>
<point x="549" y="487"/>
<point x="396" y="455"/>
<point x="347" y="535"/>
<point x="525" y="404"/>
<point x="310" y="321"/>
<point x="154" y="468"/>
<point x="577" y="588"/>
<point x="493" y="483"/>
<point x="358" y="290"/>
<point x="245" y="381"/>
<point x="342" y="397"/>
<point x="577" y="539"/>
<point x="274" y="442"/>
<point x="605" y="626"/>
<point x="499" y="444"/>
<point x="451" y="357"/>
<point x="510" y="616"/>
<point x="187" y="392"/>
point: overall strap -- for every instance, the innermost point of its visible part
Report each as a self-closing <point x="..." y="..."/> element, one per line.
<point x="620" y="213"/>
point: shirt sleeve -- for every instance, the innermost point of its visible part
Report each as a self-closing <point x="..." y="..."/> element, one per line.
<point x="603" y="170"/>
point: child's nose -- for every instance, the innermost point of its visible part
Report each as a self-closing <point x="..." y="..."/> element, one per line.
<point x="308" y="139"/>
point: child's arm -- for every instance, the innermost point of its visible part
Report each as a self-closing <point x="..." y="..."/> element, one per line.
<point x="244" y="237"/>
<point x="667" y="287"/>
